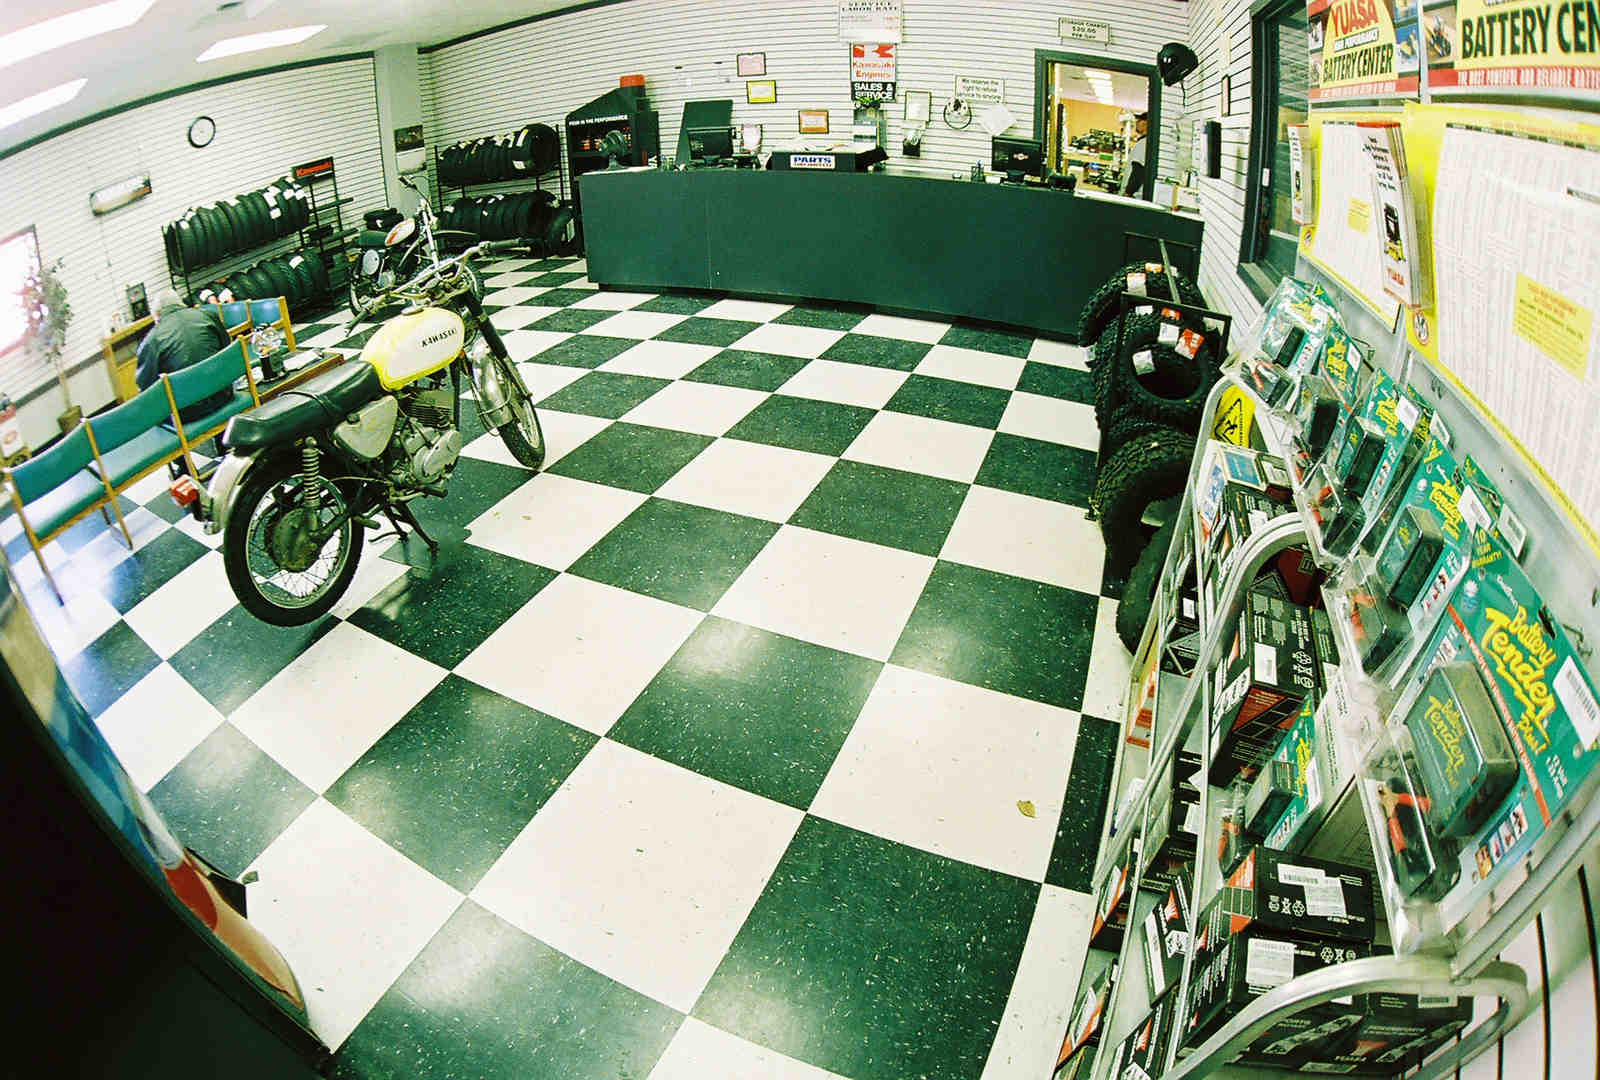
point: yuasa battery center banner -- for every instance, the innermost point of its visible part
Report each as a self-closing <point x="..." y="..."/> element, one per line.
<point x="1536" y="45"/>
<point x="1360" y="50"/>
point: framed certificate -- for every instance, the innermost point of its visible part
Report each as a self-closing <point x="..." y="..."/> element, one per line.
<point x="813" y="121"/>
<point x="761" y="91"/>
<point x="751" y="64"/>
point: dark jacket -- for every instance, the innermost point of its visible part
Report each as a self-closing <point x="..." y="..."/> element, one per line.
<point x="180" y="337"/>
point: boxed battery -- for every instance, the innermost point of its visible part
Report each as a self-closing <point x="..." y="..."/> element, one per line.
<point x="1269" y="669"/>
<point x="1267" y="797"/>
<point x="1465" y="760"/>
<point x="1297" y="895"/>
<point x="1244" y="511"/>
<point x="1084" y="1029"/>
<point x="1111" y="901"/>
<point x="1166" y="938"/>
<point x="1242" y="967"/>
<point x="1144" y="1051"/>
<point x="1327" y="647"/>
<point x="1406" y="561"/>
<point x="1395" y="1033"/>
<point x="1172" y="836"/>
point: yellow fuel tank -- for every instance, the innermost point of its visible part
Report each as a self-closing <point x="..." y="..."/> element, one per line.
<point x="410" y="346"/>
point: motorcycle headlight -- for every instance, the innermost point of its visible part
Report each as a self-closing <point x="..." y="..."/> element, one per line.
<point x="370" y="262"/>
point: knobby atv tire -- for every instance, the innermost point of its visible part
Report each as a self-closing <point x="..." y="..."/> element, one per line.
<point x="1147" y="469"/>
<point x="1133" y="610"/>
<point x="1122" y="391"/>
<point x="1101" y="310"/>
<point x="1125" y="427"/>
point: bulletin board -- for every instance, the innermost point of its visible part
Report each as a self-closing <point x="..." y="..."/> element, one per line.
<point x="1343" y="242"/>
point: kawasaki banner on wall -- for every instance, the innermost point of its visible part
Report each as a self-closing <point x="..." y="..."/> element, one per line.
<point x="1533" y="46"/>
<point x="1363" y="49"/>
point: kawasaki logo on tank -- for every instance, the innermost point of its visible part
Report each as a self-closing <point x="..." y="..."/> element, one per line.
<point x="444" y="335"/>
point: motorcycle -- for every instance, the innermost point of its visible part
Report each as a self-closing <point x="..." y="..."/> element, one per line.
<point x="391" y="256"/>
<point x="307" y="472"/>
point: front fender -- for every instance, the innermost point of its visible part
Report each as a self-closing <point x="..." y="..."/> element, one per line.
<point x="216" y="501"/>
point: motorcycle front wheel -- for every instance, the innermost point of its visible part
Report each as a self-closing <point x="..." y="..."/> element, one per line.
<point x="276" y="568"/>
<point x="522" y="434"/>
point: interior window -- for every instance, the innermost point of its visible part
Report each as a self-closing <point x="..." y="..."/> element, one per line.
<point x="1090" y="129"/>
<point x="19" y="257"/>
<point x="1280" y="81"/>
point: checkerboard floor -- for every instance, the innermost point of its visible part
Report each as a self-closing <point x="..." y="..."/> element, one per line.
<point x="707" y="753"/>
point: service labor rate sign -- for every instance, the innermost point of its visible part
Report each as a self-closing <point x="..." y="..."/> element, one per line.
<point x="1534" y="46"/>
<point x="1358" y="50"/>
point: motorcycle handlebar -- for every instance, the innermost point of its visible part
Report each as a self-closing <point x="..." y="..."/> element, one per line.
<point x="428" y="275"/>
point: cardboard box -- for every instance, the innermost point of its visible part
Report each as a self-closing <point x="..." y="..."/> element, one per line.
<point x="1269" y="669"/>
<point x="1395" y="1033"/>
<point x="1166" y="941"/>
<point x="1085" y="1027"/>
<point x="1242" y="967"/>
<point x="1111" y="902"/>
<point x="1245" y="510"/>
<point x="1296" y="894"/>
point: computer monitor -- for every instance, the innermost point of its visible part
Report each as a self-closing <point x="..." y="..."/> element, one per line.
<point x="710" y="142"/>
<point x="1017" y="157"/>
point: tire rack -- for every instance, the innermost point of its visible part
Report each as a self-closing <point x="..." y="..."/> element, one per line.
<point x="462" y="190"/>
<point x="320" y="238"/>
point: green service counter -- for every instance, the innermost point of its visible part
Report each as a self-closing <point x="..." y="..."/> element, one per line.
<point x="1002" y="253"/>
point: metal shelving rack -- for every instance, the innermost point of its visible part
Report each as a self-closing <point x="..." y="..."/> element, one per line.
<point x="501" y="187"/>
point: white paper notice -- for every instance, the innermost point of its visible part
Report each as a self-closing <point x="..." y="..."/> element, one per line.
<point x="995" y="118"/>
<point x="1269" y="963"/>
<point x="1325" y="898"/>
<point x="1346" y="236"/>
<point x="1518" y="286"/>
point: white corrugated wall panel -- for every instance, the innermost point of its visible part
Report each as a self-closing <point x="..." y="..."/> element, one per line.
<point x="265" y="125"/>
<point x="685" y="49"/>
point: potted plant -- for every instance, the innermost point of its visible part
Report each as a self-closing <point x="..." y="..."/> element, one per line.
<point x="44" y="300"/>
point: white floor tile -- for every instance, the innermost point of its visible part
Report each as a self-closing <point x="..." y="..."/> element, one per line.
<point x="576" y="266"/>
<point x="1045" y="989"/>
<point x="580" y="283"/>
<point x="973" y="366"/>
<point x="68" y="628"/>
<point x="197" y="531"/>
<point x="829" y="590"/>
<point x="753" y="479"/>
<point x="551" y="520"/>
<point x="660" y="359"/>
<point x="491" y="447"/>
<point x="1051" y="419"/>
<point x="941" y="765"/>
<point x="527" y="344"/>
<point x="581" y="651"/>
<point x="608" y="300"/>
<point x="373" y="575"/>
<point x="197" y="596"/>
<point x="927" y="331"/>
<point x="317" y="716"/>
<point x="921" y="445"/>
<point x="703" y="408"/>
<point x="642" y="870"/>
<point x="635" y="324"/>
<point x="847" y="384"/>
<point x="1109" y="667"/>
<point x="496" y="282"/>
<point x="517" y="294"/>
<point x="147" y="489"/>
<point x="745" y="310"/>
<point x="1059" y="354"/>
<point x="701" y="1052"/>
<point x="545" y="379"/>
<point x="564" y="432"/>
<point x="348" y="912"/>
<point x="154" y="725"/>
<point x="807" y="342"/>
<point x="1029" y="538"/>
<point x="110" y="547"/>
<point x="515" y="318"/>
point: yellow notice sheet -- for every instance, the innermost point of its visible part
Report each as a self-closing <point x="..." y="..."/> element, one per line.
<point x="1556" y="326"/>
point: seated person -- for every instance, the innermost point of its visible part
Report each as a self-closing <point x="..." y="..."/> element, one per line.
<point x="180" y="337"/>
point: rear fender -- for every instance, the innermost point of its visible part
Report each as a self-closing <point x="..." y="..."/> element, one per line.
<point x="218" y="497"/>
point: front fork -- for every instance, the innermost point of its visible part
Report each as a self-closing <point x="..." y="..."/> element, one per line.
<point x="489" y="380"/>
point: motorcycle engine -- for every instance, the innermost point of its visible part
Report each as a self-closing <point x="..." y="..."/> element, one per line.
<point x="426" y="437"/>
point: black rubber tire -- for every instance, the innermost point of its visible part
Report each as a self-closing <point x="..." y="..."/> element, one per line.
<point x="450" y="164"/>
<point x="259" y="482"/>
<point x="478" y="161"/>
<point x="254" y="209"/>
<point x="278" y="210"/>
<point x="546" y="149"/>
<point x="1102" y="308"/>
<point x="261" y="283"/>
<point x="234" y="224"/>
<point x="1126" y="392"/>
<point x="169" y="240"/>
<point x="282" y="281"/>
<point x="197" y="250"/>
<point x="319" y="273"/>
<point x="522" y="152"/>
<point x="1146" y="469"/>
<point x="1123" y="428"/>
<point x="1133" y="610"/>
<point x="306" y="276"/>
<point x="558" y="235"/>
<point x="527" y="454"/>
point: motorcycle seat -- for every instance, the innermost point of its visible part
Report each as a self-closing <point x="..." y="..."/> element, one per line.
<point x="372" y="238"/>
<point x="317" y="404"/>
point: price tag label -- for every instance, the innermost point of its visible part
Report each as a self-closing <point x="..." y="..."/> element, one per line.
<point x="1269" y="963"/>
<point x="1189" y="343"/>
<point x="1168" y="334"/>
<point x="1326" y="899"/>
<point x="1144" y="362"/>
<point x="1136" y="284"/>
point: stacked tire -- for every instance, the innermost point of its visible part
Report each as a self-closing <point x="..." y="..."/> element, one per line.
<point x="525" y="215"/>
<point x="1152" y="373"/>
<point x="208" y="234"/>
<point x="299" y="279"/>
<point x="532" y="151"/>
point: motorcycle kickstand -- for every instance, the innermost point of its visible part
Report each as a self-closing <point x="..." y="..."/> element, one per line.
<point x="411" y="519"/>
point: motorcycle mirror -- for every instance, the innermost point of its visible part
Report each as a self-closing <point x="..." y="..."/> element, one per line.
<point x="404" y="230"/>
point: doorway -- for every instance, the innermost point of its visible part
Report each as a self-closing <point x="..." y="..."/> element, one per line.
<point x="1086" y="118"/>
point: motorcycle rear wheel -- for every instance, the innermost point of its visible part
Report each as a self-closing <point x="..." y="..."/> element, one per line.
<point x="273" y="593"/>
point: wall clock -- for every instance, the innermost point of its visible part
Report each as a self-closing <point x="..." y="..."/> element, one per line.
<point x="202" y="131"/>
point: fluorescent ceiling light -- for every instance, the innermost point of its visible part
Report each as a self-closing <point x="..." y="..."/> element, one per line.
<point x="72" y="27"/>
<point x="272" y="39"/>
<point x="32" y="106"/>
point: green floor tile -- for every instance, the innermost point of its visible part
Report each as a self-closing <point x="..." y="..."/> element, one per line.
<point x="560" y="297"/>
<point x="822" y="427"/>
<point x="458" y="777"/>
<point x="683" y="554"/>
<point x="228" y="800"/>
<point x="678" y="304"/>
<point x="1006" y="633"/>
<point x="947" y="399"/>
<point x="1045" y="470"/>
<point x="570" y="321"/>
<point x="698" y="331"/>
<point x="1069" y="384"/>
<point x="584" y="350"/>
<point x="750" y="708"/>
<point x="632" y="456"/>
<point x="108" y="667"/>
<point x="1083" y="811"/>
<point x="484" y="1000"/>
<point x="144" y="571"/>
<point x="475" y="485"/>
<point x="877" y="351"/>
<point x="239" y="654"/>
<point x="898" y="509"/>
<point x="556" y="279"/>
<point x="750" y="370"/>
<point x="988" y="339"/>
<point x="873" y="960"/>
<point x="823" y="318"/>
<point x="603" y="393"/>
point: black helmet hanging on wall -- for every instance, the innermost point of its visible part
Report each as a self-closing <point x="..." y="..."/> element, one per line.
<point x="1175" y="62"/>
